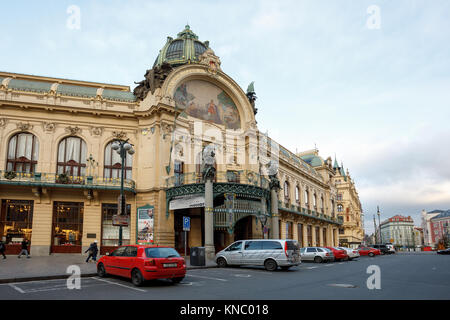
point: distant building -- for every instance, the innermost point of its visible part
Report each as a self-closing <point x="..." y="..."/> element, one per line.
<point x="398" y="230"/>
<point x="440" y="228"/>
<point x="418" y="236"/>
<point x="426" y="225"/>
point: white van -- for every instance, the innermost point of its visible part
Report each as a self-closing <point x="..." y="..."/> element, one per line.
<point x="270" y="253"/>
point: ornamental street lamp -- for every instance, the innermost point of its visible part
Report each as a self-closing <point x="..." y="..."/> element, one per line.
<point x="122" y="147"/>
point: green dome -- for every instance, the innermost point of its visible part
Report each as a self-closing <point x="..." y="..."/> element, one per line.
<point x="313" y="160"/>
<point x="186" y="48"/>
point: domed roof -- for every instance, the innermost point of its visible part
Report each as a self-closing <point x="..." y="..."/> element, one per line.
<point x="186" y="48"/>
<point x="313" y="160"/>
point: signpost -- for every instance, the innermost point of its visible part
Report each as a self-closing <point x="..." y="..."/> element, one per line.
<point x="186" y="227"/>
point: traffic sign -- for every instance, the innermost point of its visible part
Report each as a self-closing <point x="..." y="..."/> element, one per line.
<point x="186" y="224"/>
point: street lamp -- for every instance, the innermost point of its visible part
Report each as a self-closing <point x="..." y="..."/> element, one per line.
<point x="379" y="224"/>
<point x="122" y="147"/>
<point x="263" y="218"/>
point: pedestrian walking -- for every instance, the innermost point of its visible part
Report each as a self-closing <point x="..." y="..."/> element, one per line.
<point x="93" y="250"/>
<point x="24" y="248"/>
<point x="2" y="249"/>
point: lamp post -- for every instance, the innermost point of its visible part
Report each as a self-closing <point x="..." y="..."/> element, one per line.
<point x="122" y="147"/>
<point x="379" y="224"/>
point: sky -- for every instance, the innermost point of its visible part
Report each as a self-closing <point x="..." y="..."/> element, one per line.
<point x="365" y="81"/>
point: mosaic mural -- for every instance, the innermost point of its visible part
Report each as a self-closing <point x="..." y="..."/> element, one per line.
<point x="203" y="100"/>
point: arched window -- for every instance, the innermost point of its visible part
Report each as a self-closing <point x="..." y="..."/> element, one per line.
<point x="72" y="156"/>
<point x="113" y="163"/>
<point x="286" y="190"/>
<point x="297" y="194"/>
<point x="340" y="208"/>
<point x="23" y="153"/>
<point x="306" y="198"/>
<point x="322" y="204"/>
<point x="315" y="201"/>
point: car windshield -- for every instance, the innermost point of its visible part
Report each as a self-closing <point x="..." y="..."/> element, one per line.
<point x="326" y="249"/>
<point x="161" y="253"/>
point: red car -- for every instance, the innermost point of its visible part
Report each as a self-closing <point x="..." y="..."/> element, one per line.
<point x="367" y="251"/>
<point x="339" y="254"/>
<point x="143" y="262"/>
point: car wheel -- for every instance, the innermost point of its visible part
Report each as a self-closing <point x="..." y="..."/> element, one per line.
<point x="318" y="259"/>
<point x="101" y="272"/>
<point x="371" y="254"/>
<point x="270" y="265"/>
<point x="136" y="278"/>
<point x="177" y="280"/>
<point x="221" y="262"/>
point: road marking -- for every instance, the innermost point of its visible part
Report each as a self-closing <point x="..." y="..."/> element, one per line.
<point x="329" y="265"/>
<point x="218" y="279"/>
<point x="17" y="288"/>
<point x="342" y="285"/>
<point x="186" y="283"/>
<point x="311" y="268"/>
<point x="118" y="284"/>
<point x="242" y="275"/>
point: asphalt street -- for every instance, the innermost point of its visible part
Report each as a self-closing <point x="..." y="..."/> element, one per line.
<point x="402" y="276"/>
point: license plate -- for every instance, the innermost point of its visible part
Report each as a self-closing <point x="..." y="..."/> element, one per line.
<point x="169" y="265"/>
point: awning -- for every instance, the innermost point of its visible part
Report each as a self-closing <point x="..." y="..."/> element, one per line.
<point x="186" y="202"/>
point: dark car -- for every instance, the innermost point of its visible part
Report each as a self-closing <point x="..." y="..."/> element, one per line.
<point x="446" y="251"/>
<point x="382" y="248"/>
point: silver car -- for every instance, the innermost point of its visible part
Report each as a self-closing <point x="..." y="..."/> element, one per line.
<point x="270" y="253"/>
<point x="352" y="253"/>
<point x="316" y="254"/>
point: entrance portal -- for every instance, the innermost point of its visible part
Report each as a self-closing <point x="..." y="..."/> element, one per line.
<point x="243" y="229"/>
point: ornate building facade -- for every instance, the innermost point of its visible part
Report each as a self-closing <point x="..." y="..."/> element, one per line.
<point x="198" y="154"/>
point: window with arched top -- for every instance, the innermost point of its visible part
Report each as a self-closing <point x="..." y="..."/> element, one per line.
<point x="113" y="163"/>
<point x="306" y="198"/>
<point x="315" y="200"/>
<point x="286" y="190"/>
<point x="23" y="153"/>
<point x="297" y="194"/>
<point x="72" y="156"/>
<point x="340" y="208"/>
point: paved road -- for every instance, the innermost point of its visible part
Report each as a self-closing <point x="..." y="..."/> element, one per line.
<point x="407" y="276"/>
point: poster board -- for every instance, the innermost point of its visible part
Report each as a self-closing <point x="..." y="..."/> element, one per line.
<point x="145" y="225"/>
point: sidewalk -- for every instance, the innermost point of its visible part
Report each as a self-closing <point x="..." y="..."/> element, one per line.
<point x="53" y="266"/>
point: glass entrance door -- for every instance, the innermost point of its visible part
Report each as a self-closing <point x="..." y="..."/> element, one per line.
<point x="67" y="227"/>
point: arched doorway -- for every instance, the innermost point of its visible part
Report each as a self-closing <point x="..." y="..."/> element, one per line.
<point x="243" y="229"/>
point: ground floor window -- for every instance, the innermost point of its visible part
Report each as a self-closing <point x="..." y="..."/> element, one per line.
<point x="16" y="220"/>
<point x="300" y="234"/>
<point x="67" y="227"/>
<point x="317" y="236"/>
<point x="110" y="233"/>
<point x="309" y="234"/>
<point x="289" y="230"/>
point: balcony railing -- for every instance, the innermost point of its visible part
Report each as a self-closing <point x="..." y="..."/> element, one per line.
<point x="309" y="213"/>
<point x="49" y="179"/>
<point x="239" y="177"/>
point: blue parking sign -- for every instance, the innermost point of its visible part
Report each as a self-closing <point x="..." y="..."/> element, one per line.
<point x="186" y="224"/>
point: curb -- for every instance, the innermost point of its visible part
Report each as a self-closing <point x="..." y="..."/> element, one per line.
<point x="65" y="276"/>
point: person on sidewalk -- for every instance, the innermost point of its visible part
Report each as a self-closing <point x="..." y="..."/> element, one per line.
<point x="93" y="250"/>
<point x="2" y="249"/>
<point x="24" y="248"/>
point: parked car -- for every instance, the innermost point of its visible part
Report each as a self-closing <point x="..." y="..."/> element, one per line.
<point x="316" y="254"/>
<point x="367" y="251"/>
<point x="339" y="254"/>
<point x="445" y="251"/>
<point x="271" y="254"/>
<point x="391" y="248"/>
<point x="382" y="247"/>
<point x="352" y="253"/>
<point x="143" y="262"/>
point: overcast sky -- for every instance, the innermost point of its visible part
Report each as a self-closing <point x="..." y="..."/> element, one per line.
<point x="368" y="81"/>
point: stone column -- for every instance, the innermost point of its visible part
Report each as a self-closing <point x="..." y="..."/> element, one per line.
<point x="209" y="220"/>
<point x="275" y="216"/>
<point x="313" y="229"/>
<point x="305" y="235"/>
